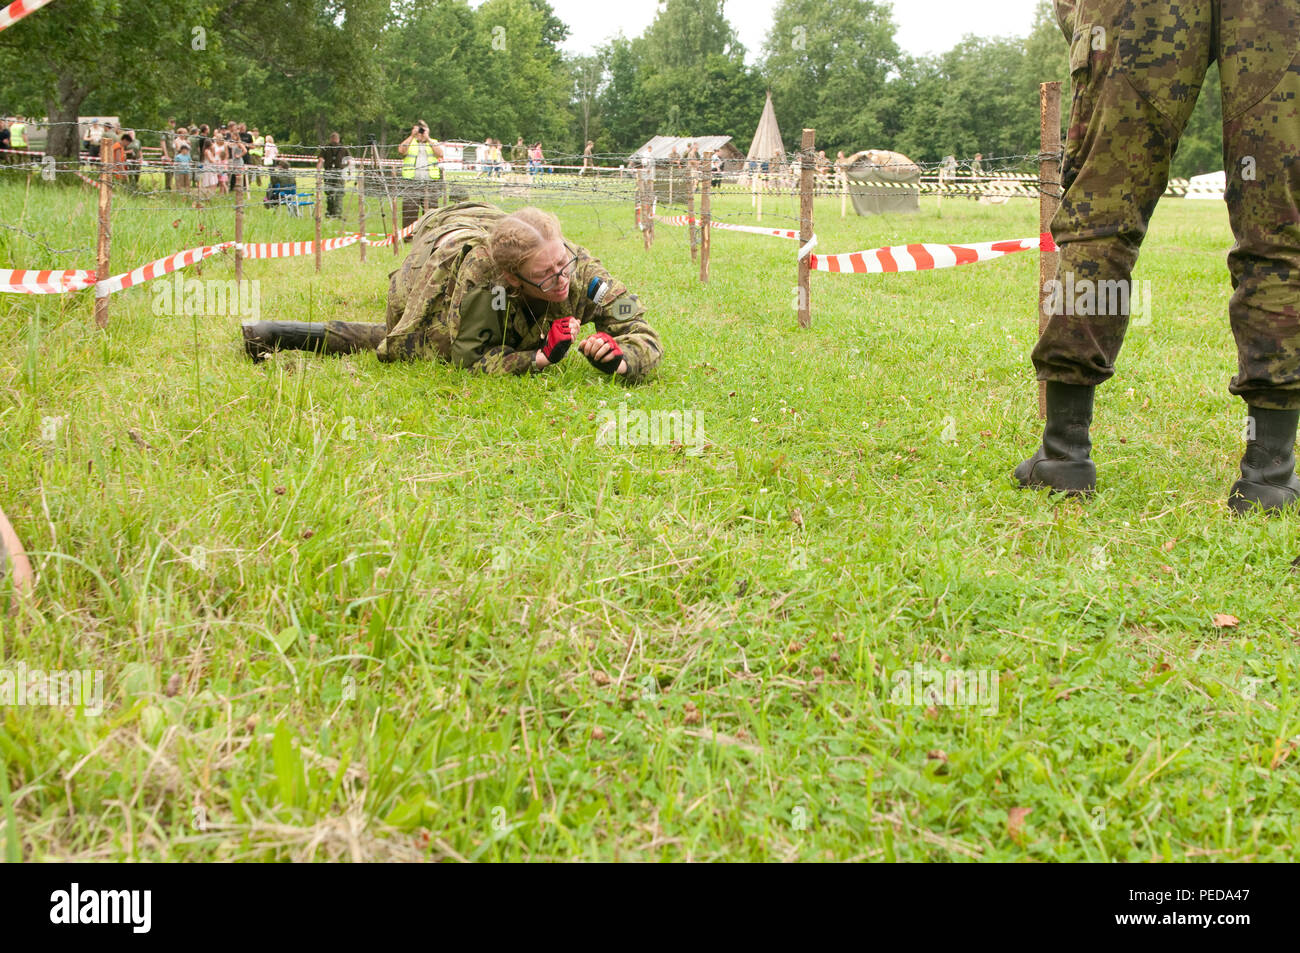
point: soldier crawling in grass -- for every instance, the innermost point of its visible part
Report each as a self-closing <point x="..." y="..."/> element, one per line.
<point x="499" y="293"/>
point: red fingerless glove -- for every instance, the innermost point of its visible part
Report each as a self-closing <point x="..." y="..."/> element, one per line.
<point x="612" y="359"/>
<point x="558" y="341"/>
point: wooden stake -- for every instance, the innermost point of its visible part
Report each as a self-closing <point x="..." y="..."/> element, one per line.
<point x="105" y="230"/>
<point x="806" y="173"/>
<point x="1049" y="187"/>
<point x="650" y="208"/>
<point x="706" y="212"/>
<point x="644" y="190"/>
<point x="320" y="165"/>
<point x="690" y="212"/>
<point x="397" y="224"/>
<point x="361" y="208"/>
<point x="239" y="228"/>
<point x="636" y="200"/>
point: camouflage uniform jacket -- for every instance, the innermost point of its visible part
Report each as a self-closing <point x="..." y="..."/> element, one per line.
<point x="448" y="301"/>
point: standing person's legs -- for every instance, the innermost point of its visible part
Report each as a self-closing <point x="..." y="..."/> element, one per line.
<point x="1136" y="67"/>
<point x="411" y="193"/>
<point x="1260" y="66"/>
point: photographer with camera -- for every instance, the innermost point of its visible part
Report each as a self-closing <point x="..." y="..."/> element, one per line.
<point x="420" y="157"/>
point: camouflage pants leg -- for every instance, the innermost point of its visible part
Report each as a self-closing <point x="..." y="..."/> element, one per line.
<point x="345" y="337"/>
<point x="1136" y="67"/>
<point x="1259" y="56"/>
<point x="417" y="198"/>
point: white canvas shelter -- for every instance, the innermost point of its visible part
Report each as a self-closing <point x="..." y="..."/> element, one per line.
<point x="767" y="145"/>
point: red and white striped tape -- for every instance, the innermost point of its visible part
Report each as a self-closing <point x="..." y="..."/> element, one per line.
<point x="913" y="257"/>
<point x="27" y="281"/>
<point x="728" y="226"/>
<point x="293" y="249"/>
<point x="156" y="269"/>
<point x="17" y="10"/>
<point x="923" y="256"/>
<point x="388" y="238"/>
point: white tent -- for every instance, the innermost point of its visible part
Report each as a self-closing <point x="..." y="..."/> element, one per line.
<point x="767" y="145"/>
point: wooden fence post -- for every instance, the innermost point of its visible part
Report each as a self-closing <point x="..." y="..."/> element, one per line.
<point x="239" y="228"/>
<point x="807" y="161"/>
<point x="1049" y="199"/>
<point x="320" y="165"/>
<point x="397" y="224"/>
<point x="643" y="189"/>
<point x="105" y="231"/>
<point x="706" y="212"/>
<point x="690" y="211"/>
<point x="636" y="199"/>
<point x="361" y="208"/>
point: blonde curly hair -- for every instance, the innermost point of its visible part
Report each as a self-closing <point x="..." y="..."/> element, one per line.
<point x="518" y="236"/>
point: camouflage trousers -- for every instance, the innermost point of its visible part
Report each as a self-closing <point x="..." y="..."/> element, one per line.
<point x="1136" y="68"/>
<point x="345" y="337"/>
<point x="418" y="197"/>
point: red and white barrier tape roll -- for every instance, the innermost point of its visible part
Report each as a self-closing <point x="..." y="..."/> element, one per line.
<point x="17" y="10"/>
<point x="923" y="256"/>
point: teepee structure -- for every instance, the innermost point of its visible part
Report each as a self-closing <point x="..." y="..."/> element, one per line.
<point x="767" y="145"/>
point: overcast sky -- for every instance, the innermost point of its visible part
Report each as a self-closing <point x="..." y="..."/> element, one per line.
<point x="924" y="26"/>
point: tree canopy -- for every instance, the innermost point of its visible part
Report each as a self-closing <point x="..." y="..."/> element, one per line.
<point x="303" y="68"/>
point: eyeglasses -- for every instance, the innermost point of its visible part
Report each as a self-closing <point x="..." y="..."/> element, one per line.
<point x="548" y="284"/>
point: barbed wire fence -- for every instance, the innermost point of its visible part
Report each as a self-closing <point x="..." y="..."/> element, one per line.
<point x="653" y="187"/>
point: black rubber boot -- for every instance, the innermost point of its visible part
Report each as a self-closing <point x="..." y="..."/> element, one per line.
<point x="1063" y="463"/>
<point x="332" y="337"/>
<point x="1268" y="479"/>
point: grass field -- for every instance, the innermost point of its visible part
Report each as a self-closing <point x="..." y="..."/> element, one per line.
<point x="353" y="610"/>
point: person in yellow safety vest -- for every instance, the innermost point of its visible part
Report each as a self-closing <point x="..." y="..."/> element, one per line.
<point x="255" y="156"/>
<point x="420" y="157"/>
<point x="18" y="134"/>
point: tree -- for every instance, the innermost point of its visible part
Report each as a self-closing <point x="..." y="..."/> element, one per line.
<point x="685" y="33"/>
<point x="588" y="74"/>
<point x="108" y="54"/>
<point x="1201" y="148"/>
<point x="524" y="82"/>
<point x="692" y="76"/>
<point x="429" y="52"/>
<point x="621" y="101"/>
<point x="827" y="63"/>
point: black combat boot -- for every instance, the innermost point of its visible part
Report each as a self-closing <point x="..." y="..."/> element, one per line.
<point x="1063" y="462"/>
<point x="331" y="337"/>
<point x="1268" y="477"/>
